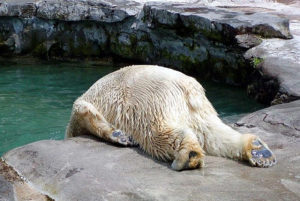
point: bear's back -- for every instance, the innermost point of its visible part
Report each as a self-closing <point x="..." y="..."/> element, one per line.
<point x="145" y="98"/>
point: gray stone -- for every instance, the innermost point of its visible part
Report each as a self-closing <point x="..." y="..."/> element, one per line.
<point x="47" y="37"/>
<point x="190" y="37"/>
<point x="279" y="126"/>
<point x="248" y="40"/>
<point x="6" y="190"/>
<point x="212" y="20"/>
<point x="71" y="10"/>
<point x="84" y="168"/>
<point x="280" y="57"/>
<point x="18" y="8"/>
<point x="12" y="187"/>
<point x="282" y="119"/>
<point x="199" y="36"/>
<point x="281" y="62"/>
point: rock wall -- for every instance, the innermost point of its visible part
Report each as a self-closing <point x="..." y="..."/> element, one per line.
<point x="200" y="40"/>
<point x="220" y="43"/>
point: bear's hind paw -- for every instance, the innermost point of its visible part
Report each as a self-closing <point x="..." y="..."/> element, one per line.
<point x="261" y="155"/>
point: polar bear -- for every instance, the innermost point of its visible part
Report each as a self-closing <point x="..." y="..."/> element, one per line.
<point x="164" y="112"/>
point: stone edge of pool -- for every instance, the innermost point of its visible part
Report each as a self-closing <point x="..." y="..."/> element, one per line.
<point x="85" y="168"/>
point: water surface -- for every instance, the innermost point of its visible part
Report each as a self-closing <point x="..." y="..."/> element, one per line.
<point x="36" y="99"/>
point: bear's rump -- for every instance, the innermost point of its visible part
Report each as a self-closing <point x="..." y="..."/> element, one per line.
<point x="149" y="110"/>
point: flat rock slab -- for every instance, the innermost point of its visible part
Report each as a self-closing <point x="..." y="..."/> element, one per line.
<point x="218" y="19"/>
<point x="71" y="10"/>
<point x="283" y="119"/>
<point x="279" y="127"/>
<point x="84" y="168"/>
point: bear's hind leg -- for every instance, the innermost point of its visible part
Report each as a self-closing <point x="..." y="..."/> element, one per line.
<point x="222" y="140"/>
<point x="188" y="152"/>
<point x="86" y="117"/>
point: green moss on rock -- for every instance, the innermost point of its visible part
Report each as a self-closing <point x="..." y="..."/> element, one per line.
<point x="256" y="61"/>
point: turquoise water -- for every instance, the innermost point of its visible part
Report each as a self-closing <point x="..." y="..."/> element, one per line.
<point x="36" y="100"/>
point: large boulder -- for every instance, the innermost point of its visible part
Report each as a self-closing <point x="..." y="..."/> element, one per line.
<point x="276" y="60"/>
<point x="279" y="60"/>
<point x="84" y="168"/>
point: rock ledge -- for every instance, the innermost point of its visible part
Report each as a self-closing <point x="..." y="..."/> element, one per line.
<point x="84" y="168"/>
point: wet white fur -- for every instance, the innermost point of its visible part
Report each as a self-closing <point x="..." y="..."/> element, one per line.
<point x="155" y="105"/>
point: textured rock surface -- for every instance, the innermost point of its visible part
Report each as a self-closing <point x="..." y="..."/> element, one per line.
<point x="13" y="188"/>
<point x="87" y="169"/>
<point x="279" y="58"/>
<point x="6" y="190"/>
<point x="282" y="119"/>
<point x="280" y="61"/>
<point x="217" y="21"/>
<point x="207" y="38"/>
<point x="188" y="36"/>
<point x="71" y="10"/>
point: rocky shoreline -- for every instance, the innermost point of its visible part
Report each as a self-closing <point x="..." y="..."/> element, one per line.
<point x="251" y="44"/>
<point x="196" y="38"/>
<point x="85" y="168"/>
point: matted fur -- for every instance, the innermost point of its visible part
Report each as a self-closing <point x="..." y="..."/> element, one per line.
<point x="160" y="107"/>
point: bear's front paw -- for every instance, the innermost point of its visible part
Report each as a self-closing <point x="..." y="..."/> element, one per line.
<point x="119" y="137"/>
<point x="261" y="155"/>
<point x="193" y="161"/>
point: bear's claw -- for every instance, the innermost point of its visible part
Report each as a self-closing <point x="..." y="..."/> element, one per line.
<point x="120" y="138"/>
<point x="261" y="155"/>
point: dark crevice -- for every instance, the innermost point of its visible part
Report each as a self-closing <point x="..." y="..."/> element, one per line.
<point x="279" y="123"/>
